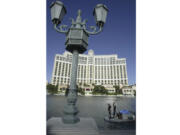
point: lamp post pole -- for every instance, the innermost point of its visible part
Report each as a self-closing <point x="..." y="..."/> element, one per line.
<point x="70" y="110"/>
<point x="76" y="42"/>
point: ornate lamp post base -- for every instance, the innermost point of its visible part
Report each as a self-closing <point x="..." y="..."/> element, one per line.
<point x="69" y="119"/>
<point x="70" y="114"/>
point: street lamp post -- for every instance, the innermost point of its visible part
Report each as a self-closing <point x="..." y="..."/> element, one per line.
<point x="76" y="42"/>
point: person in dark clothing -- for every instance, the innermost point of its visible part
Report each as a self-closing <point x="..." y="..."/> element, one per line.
<point x="114" y="109"/>
<point x="119" y="115"/>
<point x="109" y="110"/>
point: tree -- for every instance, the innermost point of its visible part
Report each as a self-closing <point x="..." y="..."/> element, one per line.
<point x="118" y="90"/>
<point x="99" y="89"/>
<point x="86" y="84"/>
<point x="67" y="91"/>
<point x="134" y="92"/>
<point x="80" y="90"/>
<point x="52" y="89"/>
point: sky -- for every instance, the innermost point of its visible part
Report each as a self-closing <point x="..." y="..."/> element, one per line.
<point x="118" y="36"/>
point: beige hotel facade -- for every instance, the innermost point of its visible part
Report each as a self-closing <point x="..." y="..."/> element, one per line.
<point x="92" y="69"/>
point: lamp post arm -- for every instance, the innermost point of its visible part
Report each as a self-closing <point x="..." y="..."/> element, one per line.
<point x="94" y="32"/>
<point x="60" y="29"/>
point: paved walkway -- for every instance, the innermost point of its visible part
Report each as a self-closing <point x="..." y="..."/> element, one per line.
<point x="87" y="126"/>
<point x="117" y="132"/>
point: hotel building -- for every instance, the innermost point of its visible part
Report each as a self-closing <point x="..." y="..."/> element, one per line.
<point x="92" y="69"/>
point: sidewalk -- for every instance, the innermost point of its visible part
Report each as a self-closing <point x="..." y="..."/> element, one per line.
<point x="117" y="132"/>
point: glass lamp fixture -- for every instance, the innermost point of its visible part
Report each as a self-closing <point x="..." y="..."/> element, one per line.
<point x="100" y="14"/>
<point x="57" y="12"/>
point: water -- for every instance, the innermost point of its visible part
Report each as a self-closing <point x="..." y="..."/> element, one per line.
<point x="95" y="107"/>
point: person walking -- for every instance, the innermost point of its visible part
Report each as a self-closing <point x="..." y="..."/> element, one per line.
<point x="114" y="109"/>
<point x="109" y="110"/>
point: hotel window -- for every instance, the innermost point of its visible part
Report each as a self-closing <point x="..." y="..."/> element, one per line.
<point x="102" y="61"/>
<point x="56" y="68"/>
<point x="90" y="60"/>
<point x="98" y="72"/>
<point x="95" y="72"/>
<point x="125" y="82"/>
<point x="53" y="81"/>
<point x="90" y="71"/>
<point x="124" y="72"/>
<point x="105" y="61"/>
<point x="111" y="73"/>
<point x="122" y="82"/>
<point x="59" y="69"/>
<point x="61" y="80"/>
<point x="84" y="71"/>
<point x="110" y="61"/>
<point x="102" y="72"/>
<point x="121" y="72"/>
<point x="113" y="60"/>
<point x="66" y="69"/>
<point x="99" y="61"/>
<point x="114" y="72"/>
<point x="78" y="71"/>
<point x="105" y="72"/>
<point x="63" y="69"/>
<point x="117" y="71"/>
<point x="69" y="70"/>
